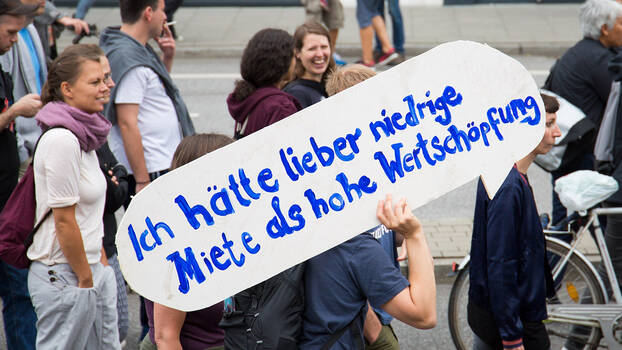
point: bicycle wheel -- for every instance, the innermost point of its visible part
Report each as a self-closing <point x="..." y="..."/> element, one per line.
<point x="457" y="314"/>
<point x="575" y="284"/>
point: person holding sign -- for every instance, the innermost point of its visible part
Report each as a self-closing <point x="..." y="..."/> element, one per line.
<point x="340" y="282"/>
<point x="510" y="276"/>
<point x="257" y="100"/>
<point x="73" y="289"/>
<point x="364" y="272"/>
<point x="312" y="47"/>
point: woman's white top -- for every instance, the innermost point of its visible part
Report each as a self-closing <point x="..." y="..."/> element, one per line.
<point x="65" y="175"/>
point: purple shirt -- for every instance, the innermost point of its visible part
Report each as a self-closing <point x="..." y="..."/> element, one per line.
<point x="200" y="330"/>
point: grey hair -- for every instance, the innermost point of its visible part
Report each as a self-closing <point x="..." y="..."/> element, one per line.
<point x="596" y="13"/>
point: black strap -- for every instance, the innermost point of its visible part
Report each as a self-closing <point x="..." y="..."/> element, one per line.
<point x="355" y="331"/>
<point x="31" y="235"/>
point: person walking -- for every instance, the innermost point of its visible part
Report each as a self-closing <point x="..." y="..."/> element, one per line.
<point x="581" y="76"/>
<point x="370" y="21"/>
<point x="510" y="277"/>
<point x="72" y="288"/>
<point x="397" y="22"/>
<point x="18" y="314"/>
<point x="149" y="116"/>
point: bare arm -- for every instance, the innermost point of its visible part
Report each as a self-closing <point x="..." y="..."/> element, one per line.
<point x="104" y="258"/>
<point x="415" y="305"/>
<point x="372" y="326"/>
<point x="26" y="106"/>
<point x="127" y="117"/>
<point x="70" y="240"/>
<point x="79" y="25"/>
<point x="167" y="324"/>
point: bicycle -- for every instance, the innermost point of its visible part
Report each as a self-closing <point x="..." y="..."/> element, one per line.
<point x="581" y="312"/>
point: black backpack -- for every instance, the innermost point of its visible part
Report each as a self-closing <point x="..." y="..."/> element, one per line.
<point x="268" y="316"/>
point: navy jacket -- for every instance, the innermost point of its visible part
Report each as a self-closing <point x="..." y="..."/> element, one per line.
<point x="508" y="267"/>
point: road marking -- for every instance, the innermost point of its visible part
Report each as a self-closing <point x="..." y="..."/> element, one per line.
<point x="233" y="76"/>
<point x="199" y="76"/>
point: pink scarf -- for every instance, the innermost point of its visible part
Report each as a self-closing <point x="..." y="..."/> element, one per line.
<point x="90" y="129"/>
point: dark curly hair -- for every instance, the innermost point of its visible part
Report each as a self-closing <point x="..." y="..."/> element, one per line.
<point x="266" y="59"/>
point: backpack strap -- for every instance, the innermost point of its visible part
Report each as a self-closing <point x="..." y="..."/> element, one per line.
<point x="29" y="239"/>
<point x="353" y="328"/>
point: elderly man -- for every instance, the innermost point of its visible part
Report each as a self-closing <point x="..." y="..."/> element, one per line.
<point x="581" y="77"/>
<point x="18" y="313"/>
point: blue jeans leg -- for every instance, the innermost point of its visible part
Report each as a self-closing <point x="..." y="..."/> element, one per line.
<point x="83" y="7"/>
<point x="398" y="25"/>
<point x="19" y="316"/>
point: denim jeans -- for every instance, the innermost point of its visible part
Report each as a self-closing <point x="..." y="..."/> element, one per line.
<point x="19" y="316"/>
<point x="83" y="7"/>
<point x="398" y="25"/>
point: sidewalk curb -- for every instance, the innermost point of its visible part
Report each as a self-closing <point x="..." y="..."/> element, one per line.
<point x="552" y="49"/>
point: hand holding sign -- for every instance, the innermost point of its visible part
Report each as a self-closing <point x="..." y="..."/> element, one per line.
<point x="240" y="215"/>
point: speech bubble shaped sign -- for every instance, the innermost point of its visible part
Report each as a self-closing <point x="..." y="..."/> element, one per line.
<point x="239" y="215"/>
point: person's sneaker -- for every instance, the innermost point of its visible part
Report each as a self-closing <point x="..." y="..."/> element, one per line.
<point x="399" y="59"/>
<point x="371" y="65"/>
<point x="324" y="5"/>
<point x="377" y="55"/>
<point x="386" y="58"/>
<point x="338" y="60"/>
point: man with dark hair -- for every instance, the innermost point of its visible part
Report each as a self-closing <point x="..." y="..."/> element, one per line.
<point x="510" y="277"/>
<point x="148" y="115"/>
<point x="18" y="313"/>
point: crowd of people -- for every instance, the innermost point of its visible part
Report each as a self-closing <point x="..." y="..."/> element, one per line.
<point x="99" y="123"/>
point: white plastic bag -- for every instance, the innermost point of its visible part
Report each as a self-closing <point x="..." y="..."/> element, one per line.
<point x="583" y="189"/>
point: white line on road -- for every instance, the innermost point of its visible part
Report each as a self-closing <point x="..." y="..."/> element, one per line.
<point x="233" y="76"/>
<point x="199" y="76"/>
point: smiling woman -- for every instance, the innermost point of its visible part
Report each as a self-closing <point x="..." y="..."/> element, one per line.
<point x="70" y="287"/>
<point x="314" y="61"/>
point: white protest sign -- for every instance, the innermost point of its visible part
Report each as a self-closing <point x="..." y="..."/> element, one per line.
<point x="242" y="214"/>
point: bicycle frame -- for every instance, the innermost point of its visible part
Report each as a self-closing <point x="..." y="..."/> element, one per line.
<point x="593" y="221"/>
<point x="605" y="315"/>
